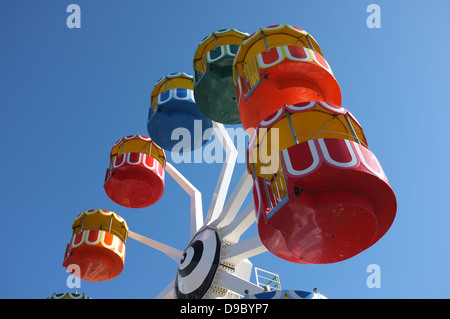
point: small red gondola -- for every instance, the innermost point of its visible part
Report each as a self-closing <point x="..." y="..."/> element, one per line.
<point x="135" y="178"/>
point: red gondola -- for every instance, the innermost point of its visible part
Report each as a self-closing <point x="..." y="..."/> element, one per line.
<point x="135" y="178"/>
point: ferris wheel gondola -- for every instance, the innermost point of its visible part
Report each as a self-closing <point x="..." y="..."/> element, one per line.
<point x="135" y="177"/>
<point x="97" y="245"/>
<point x="214" y="89"/>
<point x="173" y="109"/>
<point x="280" y="65"/>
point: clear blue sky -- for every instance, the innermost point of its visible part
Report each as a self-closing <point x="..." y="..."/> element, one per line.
<point x="66" y="95"/>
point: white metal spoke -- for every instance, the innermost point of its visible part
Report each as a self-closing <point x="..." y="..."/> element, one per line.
<point x="236" y="200"/>
<point x="239" y="225"/>
<point x="243" y="250"/>
<point x="173" y="253"/>
<point x="237" y="284"/>
<point x="196" y="198"/>
<point x="223" y="183"/>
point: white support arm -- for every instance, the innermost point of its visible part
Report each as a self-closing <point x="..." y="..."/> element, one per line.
<point x="196" y="198"/>
<point x="244" y="249"/>
<point x="224" y="179"/>
<point x="237" y="284"/>
<point x="173" y="253"/>
<point x="239" y="225"/>
<point x="236" y="200"/>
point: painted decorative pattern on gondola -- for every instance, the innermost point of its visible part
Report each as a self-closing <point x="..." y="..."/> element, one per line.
<point x="342" y="154"/>
<point x="100" y="238"/>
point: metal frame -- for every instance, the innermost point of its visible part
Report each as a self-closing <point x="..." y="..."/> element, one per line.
<point x="223" y="216"/>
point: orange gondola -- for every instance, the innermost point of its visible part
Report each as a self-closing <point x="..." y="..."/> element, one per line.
<point x="97" y="245"/>
<point x="280" y="65"/>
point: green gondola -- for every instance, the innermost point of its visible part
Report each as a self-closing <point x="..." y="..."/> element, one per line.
<point x="214" y="88"/>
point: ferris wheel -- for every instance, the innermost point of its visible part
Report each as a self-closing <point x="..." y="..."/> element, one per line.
<point x="319" y="194"/>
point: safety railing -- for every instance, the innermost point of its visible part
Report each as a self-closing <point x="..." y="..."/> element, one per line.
<point x="273" y="179"/>
<point x="322" y="133"/>
<point x="200" y="68"/>
<point x="252" y="76"/>
<point x="318" y="134"/>
<point x="106" y="225"/>
<point x="267" y="280"/>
